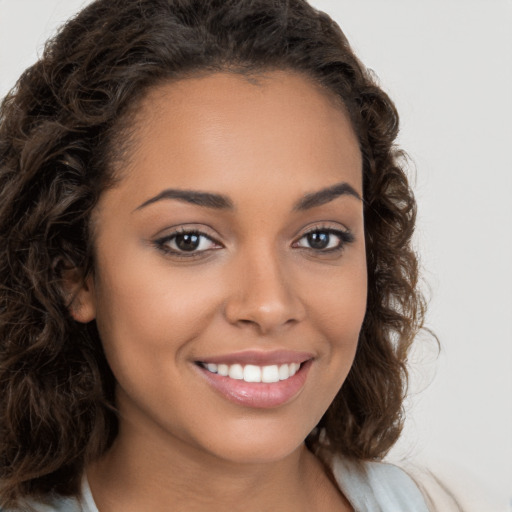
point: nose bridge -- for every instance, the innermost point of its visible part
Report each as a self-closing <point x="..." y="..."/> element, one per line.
<point x="263" y="291"/>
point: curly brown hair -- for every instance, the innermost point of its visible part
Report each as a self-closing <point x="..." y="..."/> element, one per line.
<point x="62" y="128"/>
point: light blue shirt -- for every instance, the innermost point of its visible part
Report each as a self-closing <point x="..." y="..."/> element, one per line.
<point x="368" y="486"/>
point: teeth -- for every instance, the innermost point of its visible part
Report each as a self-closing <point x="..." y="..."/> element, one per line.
<point x="253" y="373"/>
<point x="284" y="372"/>
<point x="223" y="370"/>
<point x="236" y="372"/>
<point x="270" y="373"/>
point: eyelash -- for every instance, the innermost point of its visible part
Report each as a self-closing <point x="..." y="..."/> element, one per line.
<point x="164" y="243"/>
<point x="345" y="237"/>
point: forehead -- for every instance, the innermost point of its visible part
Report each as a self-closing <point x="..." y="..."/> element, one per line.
<point x="222" y="130"/>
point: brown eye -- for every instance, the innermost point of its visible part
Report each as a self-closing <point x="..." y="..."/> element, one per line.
<point x="325" y="240"/>
<point x="186" y="243"/>
<point x="318" y="240"/>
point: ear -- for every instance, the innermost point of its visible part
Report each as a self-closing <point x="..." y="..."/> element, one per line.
<point x="79" y="295"/>
<point x="83" y="304"/>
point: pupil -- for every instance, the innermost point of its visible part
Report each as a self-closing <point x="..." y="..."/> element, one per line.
<point x="318" y="240"/>
<point x="187" y="242"/>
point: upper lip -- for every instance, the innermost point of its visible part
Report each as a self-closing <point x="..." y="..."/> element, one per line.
<point x="259" y="357"/>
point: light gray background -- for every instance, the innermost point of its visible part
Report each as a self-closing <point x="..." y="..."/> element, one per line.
<point x="448" y="66"/>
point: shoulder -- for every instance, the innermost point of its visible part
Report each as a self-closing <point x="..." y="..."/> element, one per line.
<point x="377" y="486"/>
<point x="56" y="503"/>
<point x="53" y="504"/>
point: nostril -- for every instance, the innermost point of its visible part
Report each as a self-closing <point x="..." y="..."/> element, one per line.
<point x="267" y="305"/>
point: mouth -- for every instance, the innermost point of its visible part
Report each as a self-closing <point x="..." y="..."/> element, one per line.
<point x="266" y="381"/>
<point x="253" y="373"/>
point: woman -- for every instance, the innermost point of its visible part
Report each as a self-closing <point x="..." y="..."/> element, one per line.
<point x="208" y="289"/>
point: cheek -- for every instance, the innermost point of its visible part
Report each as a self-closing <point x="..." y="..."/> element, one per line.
<point x="149" y="309"/>
<point x="338" y="304"/>
<point x="147" y="323"/>
<point x="336" y="317"/>
<point x="338" y="313"/>
<point x="150" y="318"/>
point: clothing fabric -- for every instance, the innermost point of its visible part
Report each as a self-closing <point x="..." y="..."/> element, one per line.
<point x="377" y="487"/>
<point x="368" y="486"/>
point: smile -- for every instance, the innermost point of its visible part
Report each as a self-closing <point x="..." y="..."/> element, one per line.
<point x="254" y="373"/>
<point x="257" y="380"/>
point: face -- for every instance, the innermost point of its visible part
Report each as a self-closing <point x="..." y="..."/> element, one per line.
<point x="230" y="279"/>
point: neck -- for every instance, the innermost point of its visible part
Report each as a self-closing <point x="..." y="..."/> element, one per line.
<point x="140" y="472"/>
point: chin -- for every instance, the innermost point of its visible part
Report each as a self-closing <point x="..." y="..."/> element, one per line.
<point x="257" y="442"/>
<point x="259" y="451"/>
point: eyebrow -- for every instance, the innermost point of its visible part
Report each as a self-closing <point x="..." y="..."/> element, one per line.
<point x="221" y="202"/>
<point x="326" y="195"/>
<point x="205" y="199"/>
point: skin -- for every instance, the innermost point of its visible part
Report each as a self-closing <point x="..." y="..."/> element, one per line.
<point x="257" y="284"/>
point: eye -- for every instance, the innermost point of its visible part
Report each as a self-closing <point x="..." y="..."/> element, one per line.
<point x="186" y="243"/>
<point x="325" y="239"/>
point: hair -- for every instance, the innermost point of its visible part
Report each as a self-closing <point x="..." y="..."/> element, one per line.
<point x="62" y="129"/>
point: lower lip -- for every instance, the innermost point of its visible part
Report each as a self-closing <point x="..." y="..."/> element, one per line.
<point x="260" y="395"/>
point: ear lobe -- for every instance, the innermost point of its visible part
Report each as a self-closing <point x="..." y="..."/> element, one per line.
<point x="79" y="295"/>
<point x="83" y="306"/>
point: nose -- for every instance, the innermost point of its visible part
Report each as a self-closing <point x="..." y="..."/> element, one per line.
<point x="264" y="296"/>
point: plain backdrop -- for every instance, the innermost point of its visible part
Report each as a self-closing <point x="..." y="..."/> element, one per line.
<point x="447" y="64"/>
